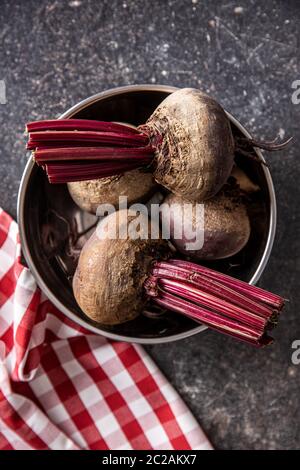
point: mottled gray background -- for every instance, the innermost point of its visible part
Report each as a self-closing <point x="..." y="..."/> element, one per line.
<point x="55" y="53"/>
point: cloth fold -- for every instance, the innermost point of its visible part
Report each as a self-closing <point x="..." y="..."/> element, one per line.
<point x="62" y="387"/>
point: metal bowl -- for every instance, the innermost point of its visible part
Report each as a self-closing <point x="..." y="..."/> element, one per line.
<point x="130" y="104"/>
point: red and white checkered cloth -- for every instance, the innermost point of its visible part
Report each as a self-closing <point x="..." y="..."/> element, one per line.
<point x="62" y="387"/>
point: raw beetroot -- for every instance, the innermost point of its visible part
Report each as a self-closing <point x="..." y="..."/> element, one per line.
<point x="108" y="282"/>
<point x="195" y="151"/>
<point x="224" y="227"/>
<point x="88" y="195"/>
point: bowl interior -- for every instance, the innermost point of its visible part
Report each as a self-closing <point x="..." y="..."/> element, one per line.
<point x="46" y="204"/>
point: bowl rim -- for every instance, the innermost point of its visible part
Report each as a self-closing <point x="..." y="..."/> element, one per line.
<point x="31" y="265"/>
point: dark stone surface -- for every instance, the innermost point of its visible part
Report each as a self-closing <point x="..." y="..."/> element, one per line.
<point x="54" y="54"/>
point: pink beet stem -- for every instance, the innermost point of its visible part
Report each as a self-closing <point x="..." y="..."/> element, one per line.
<point x="100" y="138"/>
<point x="93" y="153"/>
<point x="184" y="287"/>
<point x="54" y="145"/>
<point x="214" y="303"/>
<point x="254" y="292"/>
<point x="84" y="141"/>
<point x="59" y="173"/>
<point x="80" y="125"/>
<point x="167" y="270"/>
<point x="80" y="166"/>
<point x="208" y="318"/>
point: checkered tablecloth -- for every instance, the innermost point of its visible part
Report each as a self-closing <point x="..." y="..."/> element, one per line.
<point x="62" y="387"/>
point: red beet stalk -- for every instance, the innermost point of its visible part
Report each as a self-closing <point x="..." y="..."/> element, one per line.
<point x="214" y="286"/>
<point x="206" y="296"/>
<point x="95" y="154"/>
<point x="77" y="149"/>
<point x="254" y="292"/>
<point x="79" y="125"/>
<point x="61" y="173"/>
<point x="101" y="138"/>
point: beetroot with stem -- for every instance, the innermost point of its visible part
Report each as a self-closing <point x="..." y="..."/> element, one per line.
<point x="115" y="277"/>
<point x="187" y="141"/>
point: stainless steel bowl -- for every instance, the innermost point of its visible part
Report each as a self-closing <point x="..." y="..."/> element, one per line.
<point x="131" y="104"/>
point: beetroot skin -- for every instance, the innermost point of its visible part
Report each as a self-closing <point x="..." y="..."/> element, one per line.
<point x="226" y="226"/>
<point x="88" y="195"/>
<point x="194" y="144"/>
<point x="108" y="282"/>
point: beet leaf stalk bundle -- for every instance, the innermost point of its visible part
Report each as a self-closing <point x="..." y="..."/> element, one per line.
<point x="79" y="150"/>
<point x="187" y="142"/>
<point x="222" y="303"/>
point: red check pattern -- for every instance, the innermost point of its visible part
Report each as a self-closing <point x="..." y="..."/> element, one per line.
<point x="62" y="387"/>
